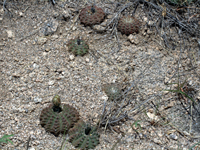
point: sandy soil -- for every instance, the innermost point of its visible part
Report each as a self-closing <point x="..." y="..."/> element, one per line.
<point x="35" y="64"/>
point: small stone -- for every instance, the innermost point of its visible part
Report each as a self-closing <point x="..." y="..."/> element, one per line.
<point x="74" y="28"/>
<point x="55" y="14"/>
<point x="149" y="31"/>
<point x="51" y="82"/>
<point x="104" y="98"/>
<point x="98" y="28"/>
<point x="61" y="70"/>
<point x="53" y="37"/>
<point x="145" y="19"/>
<point x="10" y="33"/>
<point x="35" y="65"/>
<point x="37" y="100"/>
<point x="157" y="141"/>
<point x="134" y="39"/>
<point x="150" y="23"/>
<point x="87" y="60"/>
<point x="47" y="49"/>
<point x="152" y="116"/>
<point x="31" y="148"/>
<point x="126" y="43"/>
<point x="109" y="16"/>
<point x="66" y="15"/>
<point x="32" y="74"/>
<point x="71" y="57"/>
<point x="173" y="136"/>
<point x="21" y="14"/>
<point x="16" y="75"/>
<point x="41" y="40"/>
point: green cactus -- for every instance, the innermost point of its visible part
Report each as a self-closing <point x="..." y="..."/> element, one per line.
<point x="91" y="15"/>
<point x="128" y="25"/>
<point x="84" y="136"/>
<point x="113" y="91"/>
<point x="78" y="47"/>
<point x="58" y="118"/>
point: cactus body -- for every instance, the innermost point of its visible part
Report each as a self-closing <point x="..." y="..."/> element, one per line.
<point x="83" y="136"/>
<point x="113" y="91"/>
<point x="78" y="47"/>
<point x="128" y="25"/>
<point x="58" y="119"/>
<point x="91" y="15"/>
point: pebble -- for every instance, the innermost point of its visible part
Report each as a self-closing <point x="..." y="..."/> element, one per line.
<point x="17" y="75"/>
<point x="134" y="39"/>
<point x="173" y="136"/>
<point x="157" y="141"/>
<point x="87" y="60"/>
<point x="32" y="74"/>
<point x="21" y="14"/>
<point x="71" y="57"/>
<point x="66" y="15"/>
<point x="37" y="100"/>
<point x="53" y="37"/>
<point x="35" y="65"/>
<point x="98" y="28"/>
<point x="150" y="23"/>
<point x="41" y="40"/>
<point x="51" y="82"/>
<point x="10" y="33"/>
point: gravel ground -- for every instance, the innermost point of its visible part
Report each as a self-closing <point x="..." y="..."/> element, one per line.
<point x="36" y="65"/>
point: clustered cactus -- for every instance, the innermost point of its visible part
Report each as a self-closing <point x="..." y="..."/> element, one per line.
<point x="61" y="118"/>
<point x="128" y="25"/>
<point x="91" y="15"/>
<point x="113" y="91"/>
<point x="78" y="47"/>
<point x="58" y="118"/>
<point x="84" y="136"/>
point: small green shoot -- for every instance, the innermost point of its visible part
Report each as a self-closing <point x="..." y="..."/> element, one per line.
<point x="136" y="124"/>
<point x="5" y="139"/>
<point x="194" y="145"/>
<point x="179" y="90"/>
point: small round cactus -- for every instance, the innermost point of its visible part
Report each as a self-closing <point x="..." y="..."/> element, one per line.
<point x="58" y="118"/>
<point x="91" y="15"/>
<point x="128" y="25"/>
<point x="78" y="47"/>
<point x="113" y="91"/>
<point x="83" y="136"/>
